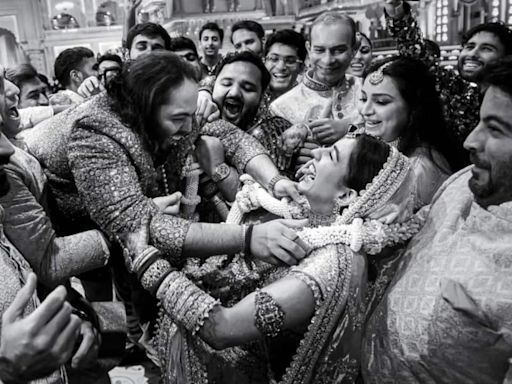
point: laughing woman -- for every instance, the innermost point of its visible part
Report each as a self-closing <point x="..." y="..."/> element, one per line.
<point x="399" y="104"/>
<point x="315" y="310"/>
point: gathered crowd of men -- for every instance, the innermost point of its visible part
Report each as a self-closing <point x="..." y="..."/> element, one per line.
<point x="294" y="211"/>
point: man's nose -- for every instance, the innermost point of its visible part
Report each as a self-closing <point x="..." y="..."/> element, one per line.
<point x="43" y="100"/>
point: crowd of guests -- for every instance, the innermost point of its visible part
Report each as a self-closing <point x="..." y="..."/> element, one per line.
<point x="294" y="211"/>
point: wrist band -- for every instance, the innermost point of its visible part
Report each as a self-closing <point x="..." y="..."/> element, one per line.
<point x="274" y="181"/>
<point x="248" y="238"/>
<point x="242" y="237"/>
<point x="154" y="274"/>
<point x="148" y="256"/>
<point x="269" y="316"/>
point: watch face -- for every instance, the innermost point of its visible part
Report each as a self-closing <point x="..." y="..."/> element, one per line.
<point x="221" y="172"/>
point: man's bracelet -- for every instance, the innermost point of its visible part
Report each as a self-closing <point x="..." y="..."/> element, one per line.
<point x="274" y="181"/>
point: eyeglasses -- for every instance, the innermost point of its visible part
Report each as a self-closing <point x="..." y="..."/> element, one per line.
<point x="289" y="61"/>
<point x="109" y="72"/>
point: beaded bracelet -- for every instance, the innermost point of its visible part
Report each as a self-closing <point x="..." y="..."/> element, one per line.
<point x="269" y="316"/>
<point x="274" y="181"/>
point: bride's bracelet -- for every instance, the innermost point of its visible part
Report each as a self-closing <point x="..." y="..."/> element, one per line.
<point x="269" y="316"/>
<point x="186" y="304"/>
<point x="155" y="274"/>
<point x="144" y="259"/>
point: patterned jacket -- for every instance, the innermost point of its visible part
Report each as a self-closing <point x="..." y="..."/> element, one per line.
<point x="100" y="169"/>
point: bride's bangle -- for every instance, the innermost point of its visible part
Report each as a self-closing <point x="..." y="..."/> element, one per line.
<point x="144" y="259"/>
<point x="155" y="274"/>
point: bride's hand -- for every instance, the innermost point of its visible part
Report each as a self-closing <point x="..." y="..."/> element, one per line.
<point x="170" y="204"/>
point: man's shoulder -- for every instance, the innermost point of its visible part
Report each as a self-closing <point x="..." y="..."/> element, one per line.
<point x="455" y="188"/>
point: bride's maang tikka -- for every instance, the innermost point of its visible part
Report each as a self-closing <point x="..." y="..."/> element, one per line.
<point x="375" y="78"/>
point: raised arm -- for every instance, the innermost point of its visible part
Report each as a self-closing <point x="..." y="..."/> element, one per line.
<point x="246" y="153"/>
<point x="402" y="25"/>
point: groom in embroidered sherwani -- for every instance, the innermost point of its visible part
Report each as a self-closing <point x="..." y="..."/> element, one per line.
<point x="447" y="315"/>
<point x="327" y="94"/>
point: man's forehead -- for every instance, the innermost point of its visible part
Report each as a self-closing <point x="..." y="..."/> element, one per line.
<point x="210" y="32"/>
<point x="331" y="35"/>
<point x="241" y="70"/>
<point x="497" y="104"/>
<point x="33" y="83"/>
<point x="148" y="39"/>
<point x="485" y="37"/>
<point x="244" y="34"/>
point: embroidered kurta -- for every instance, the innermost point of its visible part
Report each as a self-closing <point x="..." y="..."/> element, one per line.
<point x="447" y="315"/>
<point x="309" y="98"/>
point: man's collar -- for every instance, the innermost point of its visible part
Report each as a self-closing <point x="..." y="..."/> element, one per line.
<point x="317" y="86"/>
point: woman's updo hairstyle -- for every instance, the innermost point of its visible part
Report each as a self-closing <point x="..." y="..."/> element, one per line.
<point x="142" y="87"/>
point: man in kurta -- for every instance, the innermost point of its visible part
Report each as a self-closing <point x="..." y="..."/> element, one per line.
<point x="447" y="315"/>
<point x="326" y="87"/>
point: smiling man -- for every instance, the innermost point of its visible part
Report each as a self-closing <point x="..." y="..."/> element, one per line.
<point x="241" y="80"/>
<point x="460" y="92"/>
<point x="210" y="41"/>
<point x="445" y="317"/>
<point x="327" y="96"/>
<point x="248" y="35"/>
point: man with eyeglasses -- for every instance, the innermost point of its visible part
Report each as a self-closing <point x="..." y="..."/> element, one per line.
<point x="285" y="52"/>
<point x="326" y="99"/>
<point x="109" y="65"/>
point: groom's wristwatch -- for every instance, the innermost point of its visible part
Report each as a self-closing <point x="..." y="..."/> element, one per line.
<point x="221" y="172"/>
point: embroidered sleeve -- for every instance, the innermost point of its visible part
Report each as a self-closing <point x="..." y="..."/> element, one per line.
<point x="207" y="83"/>
<point x="239" y="147"/>
<point x="109" y="185"/>
<point x="54" y="259"/>
<point x="317" y="271"/>
<point x="186" y="304"/>
<point x="407" y="33"/>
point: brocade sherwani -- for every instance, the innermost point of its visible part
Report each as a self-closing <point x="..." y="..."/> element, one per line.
<point x="27" y="225"/>
<point x="100" y="169"/>
<point x="14" y="270"/>
<point x="309" y="98"/>
<point x="447" y="315"/>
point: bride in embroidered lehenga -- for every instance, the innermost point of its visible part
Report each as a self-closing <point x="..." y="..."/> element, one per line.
<point x="316" y="308"/>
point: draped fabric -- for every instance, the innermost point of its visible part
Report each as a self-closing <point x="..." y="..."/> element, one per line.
<point x="329" y="351"/>
<point x="447" y="315"/>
